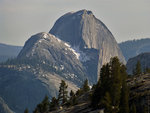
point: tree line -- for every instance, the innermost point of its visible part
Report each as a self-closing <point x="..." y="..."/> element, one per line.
<point x="111" y="93"/>
<point x="63" y="98"/>
<point x="137" y="70"/>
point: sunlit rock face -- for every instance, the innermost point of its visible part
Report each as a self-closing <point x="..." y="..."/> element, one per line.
<point x="82" y="29"/>
<point x="57" y="54"/>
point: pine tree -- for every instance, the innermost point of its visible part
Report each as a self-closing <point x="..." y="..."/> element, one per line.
<point x="96" y="96"/>
<point x="133" y="108"/>
<point x="85" y="86"/>
<point x="79" y="92"/>
<point x="71" y="93"/>
<point x="26" y="111"/>
<point x="36" y="110"/>
<point x="105" y="79"/>
<point x="147" y="70"/>
<point x="45" y="104"/>
<point x="115" y="89"/>
<point x="40" y="108"/>
<point x="111" y="90"/>
<point x="101" y="87"/>
<point x="63" y="93"/>
<point x="106" y="101"/>
<point x="138" y="69"/>
<point x="53" y="104"/>
<point x="145" y="110"/>
<point x="43" y="107"/>
<point x="110" y="81"/>
<point x="72" y="99"/>
<point x="124" y="100"/>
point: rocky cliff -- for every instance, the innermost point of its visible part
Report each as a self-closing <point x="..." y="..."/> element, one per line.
<point x="56" y="54"/>
<point x="83" y="30"/>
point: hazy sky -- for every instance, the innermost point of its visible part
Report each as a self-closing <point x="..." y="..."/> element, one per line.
<point x="20" y="19"/>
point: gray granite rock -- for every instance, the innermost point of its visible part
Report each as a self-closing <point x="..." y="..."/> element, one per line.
<point x="75" y="49"/>
<point x="82" y="29"/>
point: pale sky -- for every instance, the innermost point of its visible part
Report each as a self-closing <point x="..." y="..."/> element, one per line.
<point x="20" y="19"/>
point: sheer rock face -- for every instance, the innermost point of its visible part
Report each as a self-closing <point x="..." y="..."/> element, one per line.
<point x="73" y="64"/>
<point x="84" y="30"/>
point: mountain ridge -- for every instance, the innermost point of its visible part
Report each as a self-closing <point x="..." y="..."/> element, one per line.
<point x="8" y="51"/>
<point x="87" y="32"/>
<point x="132" y="48"/>
<point x="46" y="59"/>
<point x="143" y="58"/>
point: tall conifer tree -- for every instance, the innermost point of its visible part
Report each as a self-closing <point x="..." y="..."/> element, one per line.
<point x="63" y="93"/>
<point x="133" y="108"/>
<point x="124" y="100"/>
<point x="85" y="86"/>
<point x="53" y="104"/>
<point x="115" y="89"/>
<point x="138" y="69"/>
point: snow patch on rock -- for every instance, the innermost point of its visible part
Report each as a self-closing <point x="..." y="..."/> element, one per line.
<point x="66" y="44"/>
<point x="58" y="39"/>
<point x="80" y="55"/>
<point x="75" y="53"/>
<point x="45" y="35"/>
<point x="41" y="40"/>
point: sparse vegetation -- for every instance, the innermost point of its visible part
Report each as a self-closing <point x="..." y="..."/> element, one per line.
<point x="63" y="93"/>
<point x="63" y="99"/>
<point x="111" y="93"/>
<point x="138" y="69"/>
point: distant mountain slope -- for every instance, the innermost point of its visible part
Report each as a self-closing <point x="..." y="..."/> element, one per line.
<point x="144" y="59"/>
<point x="83" y="45"/>
<point x="8" y="51"/>
<point x="24" y="86"/>
<point x="51" y="51"/>
<point x="133" y="48"/>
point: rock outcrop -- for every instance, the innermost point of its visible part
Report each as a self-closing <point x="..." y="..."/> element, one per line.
<point x="56" y="54"/>
<point x="140" y="91"/>
<point x="83" y="30"/>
